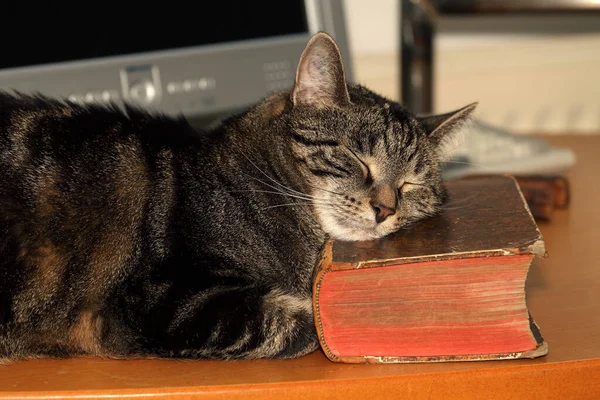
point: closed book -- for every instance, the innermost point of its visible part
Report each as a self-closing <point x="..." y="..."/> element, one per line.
<point x="448" y="288"/>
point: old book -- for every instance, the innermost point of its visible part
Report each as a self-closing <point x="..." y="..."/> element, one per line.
<point x="449" y="288"/>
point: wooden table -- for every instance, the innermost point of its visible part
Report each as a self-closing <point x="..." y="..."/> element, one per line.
<point x="563" y="294"/>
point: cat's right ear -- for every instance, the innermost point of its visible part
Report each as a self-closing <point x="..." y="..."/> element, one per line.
<point x="320" y="78"/>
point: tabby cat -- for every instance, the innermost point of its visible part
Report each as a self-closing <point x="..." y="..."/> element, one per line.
<point x="127" y="234"/>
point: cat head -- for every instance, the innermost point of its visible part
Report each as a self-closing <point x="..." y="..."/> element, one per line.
<point x="370" y="165"/>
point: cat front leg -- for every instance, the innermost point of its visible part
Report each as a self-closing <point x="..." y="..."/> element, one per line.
<point x="239" y="323"/>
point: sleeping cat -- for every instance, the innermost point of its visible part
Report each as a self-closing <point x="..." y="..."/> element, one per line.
<point x="125" y="234"/>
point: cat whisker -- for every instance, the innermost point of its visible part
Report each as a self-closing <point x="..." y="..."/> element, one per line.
<point x="299" y="204"/>
<point x="455" y="206"/>
<point x="279" y="190"/>
<point x="272" y="192"/>
<point x="268" y="185"/>
<point x="461" y="201"/>
<point x="325" y="190"/>
<point x="303" y="197"/>
<point x="282" y="192"/>
<point x="270" y="178"/>
<point x="467" y="163"/>
<point x="457" y="145"/>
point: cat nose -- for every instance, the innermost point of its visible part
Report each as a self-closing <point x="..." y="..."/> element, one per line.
<point x="381" y="211"/>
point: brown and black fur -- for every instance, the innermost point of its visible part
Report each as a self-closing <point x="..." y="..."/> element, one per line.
<point x="126" y="234"/>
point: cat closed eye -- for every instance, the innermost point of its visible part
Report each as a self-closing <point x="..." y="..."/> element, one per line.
<point x="367" y="174"/>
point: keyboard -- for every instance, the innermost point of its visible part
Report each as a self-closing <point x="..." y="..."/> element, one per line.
<point x="487" y="149"/>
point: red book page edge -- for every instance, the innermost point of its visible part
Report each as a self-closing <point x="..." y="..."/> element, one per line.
<point x="326" y="263"/>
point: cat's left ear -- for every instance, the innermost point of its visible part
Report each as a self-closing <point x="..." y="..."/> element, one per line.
<point x="443" y="130"/>
<point x="320" y="78"/>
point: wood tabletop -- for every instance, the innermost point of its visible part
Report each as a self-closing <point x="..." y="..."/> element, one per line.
<point x="562" y="293"/>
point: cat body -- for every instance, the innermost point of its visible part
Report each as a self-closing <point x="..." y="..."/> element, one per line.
<point x="128" y="234"/>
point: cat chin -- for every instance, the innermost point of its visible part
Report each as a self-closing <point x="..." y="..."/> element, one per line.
<point x="351" y="234"/>
<point x="354" y="235"/>
<point x="359" y="235"/>
<point x="332" y="227"/>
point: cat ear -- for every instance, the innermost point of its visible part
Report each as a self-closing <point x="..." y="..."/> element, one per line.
<point x="443" y="130"/>
<point x="320" y="78"/>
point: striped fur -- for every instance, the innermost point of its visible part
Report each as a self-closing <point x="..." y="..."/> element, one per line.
<point x="125" y="234"/>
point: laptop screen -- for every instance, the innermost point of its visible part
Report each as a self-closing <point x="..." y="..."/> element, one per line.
<point x="38" y="33"/>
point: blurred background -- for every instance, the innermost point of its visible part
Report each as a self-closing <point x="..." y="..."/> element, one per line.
<point x="531" y="64"/>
